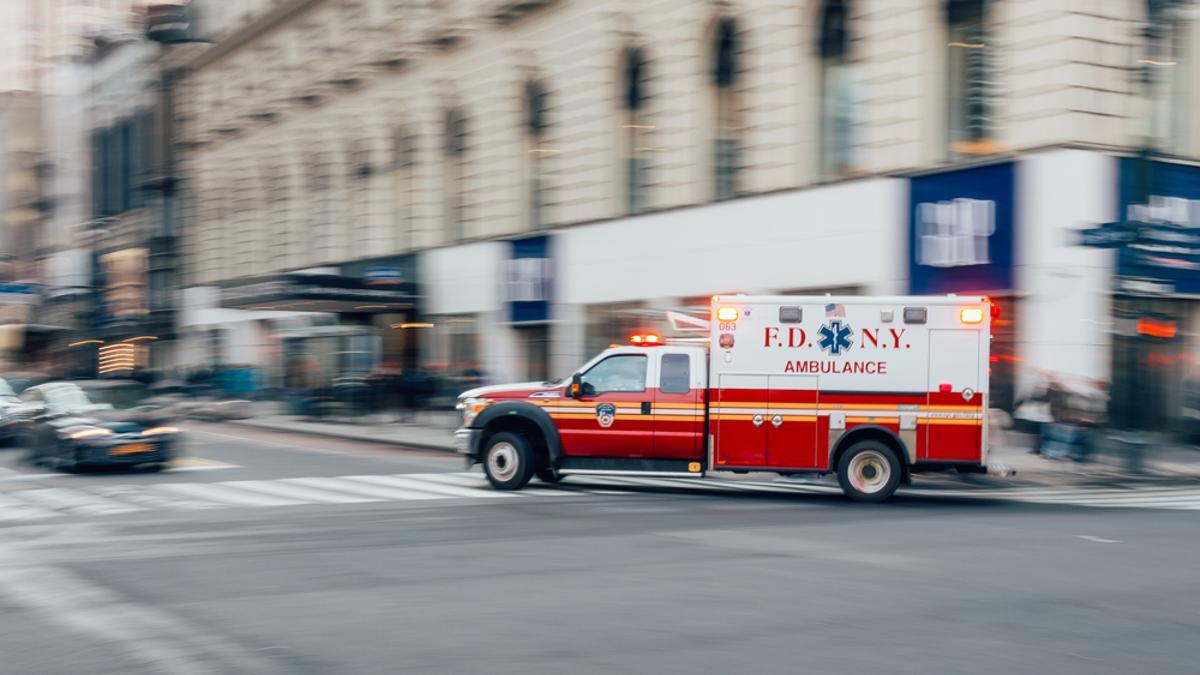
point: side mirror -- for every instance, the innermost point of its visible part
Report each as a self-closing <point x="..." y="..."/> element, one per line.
<point x="576" y="387"/>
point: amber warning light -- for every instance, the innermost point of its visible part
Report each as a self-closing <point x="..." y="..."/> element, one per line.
<point x="727" y="314"/>
<point x="971" y="315"/>
<point x="646" y="340"/>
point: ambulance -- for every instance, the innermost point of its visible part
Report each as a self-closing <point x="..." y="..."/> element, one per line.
<point x="872" y="389"/>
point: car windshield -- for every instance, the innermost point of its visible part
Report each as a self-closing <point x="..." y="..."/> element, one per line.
<point x="67" y="398"/>
<point x="6" y="390"/>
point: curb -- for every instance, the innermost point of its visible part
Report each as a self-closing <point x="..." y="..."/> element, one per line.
<point x="431" y="447"/>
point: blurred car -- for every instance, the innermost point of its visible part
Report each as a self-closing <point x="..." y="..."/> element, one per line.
<point x="71" y="431"/>
<point x="16" y="417"/>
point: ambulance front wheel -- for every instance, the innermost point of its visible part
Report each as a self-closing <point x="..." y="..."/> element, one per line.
<point x="869" y="472"/>
<point x="508" y="461"/>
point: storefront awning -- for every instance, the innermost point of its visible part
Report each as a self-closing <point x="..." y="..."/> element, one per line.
<point x="337" y="294"/>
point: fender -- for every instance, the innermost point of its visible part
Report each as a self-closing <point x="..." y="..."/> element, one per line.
<point x="526" y="410"/>
<point x="848" y="436"/>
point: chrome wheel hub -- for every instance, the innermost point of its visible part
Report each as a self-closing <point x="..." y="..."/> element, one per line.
<point x="869" y="471"/>
<point x="502" y="461"/>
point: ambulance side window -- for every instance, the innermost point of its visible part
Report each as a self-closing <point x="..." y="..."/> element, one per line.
<point x="623" y="372"/>
<point x="676" y="374"/>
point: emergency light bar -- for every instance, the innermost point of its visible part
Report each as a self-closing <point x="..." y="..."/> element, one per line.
<point x="971" y="315"/>
<point x="727" y="314"/>
<point x="647" y="340"/>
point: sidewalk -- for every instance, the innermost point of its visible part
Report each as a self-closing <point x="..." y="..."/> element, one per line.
<point x="433" y="430"/>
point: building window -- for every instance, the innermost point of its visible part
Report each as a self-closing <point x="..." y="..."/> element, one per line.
<point x="1167" y="75"/>
<point x="536" y="102"/>
<point x="969" y="83"/>
<point x="455" y="148"/>
<point x="837" y="104"/>
<point x="361" y="170"/>
<point x="725" y="76"/>
<point x="635" y="131"/>
<point x="404" y="166"/>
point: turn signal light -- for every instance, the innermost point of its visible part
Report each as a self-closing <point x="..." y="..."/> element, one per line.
<point x="971" y="315"/>
<point x="727" y="314"/>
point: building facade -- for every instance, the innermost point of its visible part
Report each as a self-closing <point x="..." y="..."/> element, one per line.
<point x="564" y="170"/>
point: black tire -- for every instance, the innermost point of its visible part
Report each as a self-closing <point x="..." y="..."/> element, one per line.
<point x="508" y="461"/>
<point x="869" y="472"/>
<point x="548" y="475"/>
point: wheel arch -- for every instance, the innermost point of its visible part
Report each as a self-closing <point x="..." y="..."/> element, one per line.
<point x="524" y="418"/>
<point x="872" y="432"/>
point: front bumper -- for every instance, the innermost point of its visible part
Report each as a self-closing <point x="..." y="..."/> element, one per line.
<point x="122" y="451"/>
<point x="466" y="442"/>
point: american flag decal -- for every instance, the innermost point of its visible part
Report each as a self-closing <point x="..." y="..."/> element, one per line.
<point x="835" y="310"/>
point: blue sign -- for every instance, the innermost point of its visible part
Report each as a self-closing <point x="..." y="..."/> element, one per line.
<point x="528" y="280"/>
<point x="961" y="230"/>
<point x="1164" y="258"/>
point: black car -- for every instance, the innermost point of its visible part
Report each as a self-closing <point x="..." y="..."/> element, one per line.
<point x="73" y="432"/>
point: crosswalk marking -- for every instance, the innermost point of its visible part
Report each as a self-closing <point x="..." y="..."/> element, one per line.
<point x="281" y="488"/>
<point x="42" y="501"/>
<point x="226" y="495"/>
<point x="421" y="482"/>
<point x="354" y="486"/>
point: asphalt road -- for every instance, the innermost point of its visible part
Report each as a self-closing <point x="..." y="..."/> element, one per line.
<point x="276" y="553"/>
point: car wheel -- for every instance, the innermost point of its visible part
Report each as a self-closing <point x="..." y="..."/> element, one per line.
<point x="869" y="472"/>
<point x="548" y="475"/>
<point x="155" y="467"/>
<point x="508" y="461"/>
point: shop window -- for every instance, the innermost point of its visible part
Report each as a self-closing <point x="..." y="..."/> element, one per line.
<point x="837" y="105"/>
<point x="725" y="79"/>
<point x="969" y="114"/>
<point x="1167" y="74"/>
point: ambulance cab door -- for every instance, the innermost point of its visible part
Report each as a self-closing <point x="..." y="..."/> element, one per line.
<point x="953" y="423"/>
<point x="679" y="404"/>
<point x="613" y="417"/>
<point x="740" y="421"/>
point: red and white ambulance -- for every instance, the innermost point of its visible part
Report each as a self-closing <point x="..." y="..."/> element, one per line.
<point x="872" y="389"/>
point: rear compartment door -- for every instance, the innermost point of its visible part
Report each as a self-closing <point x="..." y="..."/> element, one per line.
<point x="740" y="421"/>
<point x="952" y="423"/>
<point x="792" y="418"/>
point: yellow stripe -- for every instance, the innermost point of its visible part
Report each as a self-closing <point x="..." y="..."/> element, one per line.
<point x="882" y="418"/>
<point x="937" y="420"/>
<point x="723" y="404"/>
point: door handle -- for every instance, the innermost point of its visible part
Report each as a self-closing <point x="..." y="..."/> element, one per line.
<point x="646" y="408"/>
<point x="757" y="420"/>
<point x="776" y="421"/>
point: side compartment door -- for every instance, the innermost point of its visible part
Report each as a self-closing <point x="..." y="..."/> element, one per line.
<point x="612" y="418"/>
<point x="953" y="425"/>
<point x="792" y="418"/>
<point x="740" y="421"/>
<point x="679" y="406"/>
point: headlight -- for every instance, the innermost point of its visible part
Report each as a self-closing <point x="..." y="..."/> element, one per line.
<point x="471" y="407"/>
<point x="93" y="432"/>
<point x="158" y="431"/>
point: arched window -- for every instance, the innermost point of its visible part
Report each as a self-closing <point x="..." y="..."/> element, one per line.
<point x="404" y="167"/>
<point x="634" y="128"/>
<point x="725" y="76"/>
<point x="536" y="101"/>
<point x="455" y="150"/>
<point x="969" y="120"/>
<point x="837" y="103"/>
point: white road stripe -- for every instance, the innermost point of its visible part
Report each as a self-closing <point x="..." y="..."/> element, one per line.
<point x="479" y="482"/>
<point x="406" y="481"/>
<point x="281" y="488"/>
<point x="67" y="500"/>
<point x="14" y="509"/>
<point x="218" y="493"/>
<point x="138" y="495"/>
<point x="354" y="486"/>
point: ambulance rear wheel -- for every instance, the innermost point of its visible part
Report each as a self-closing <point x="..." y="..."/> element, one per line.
<point x="869" y="472"/>
<point x="508" y="461"/>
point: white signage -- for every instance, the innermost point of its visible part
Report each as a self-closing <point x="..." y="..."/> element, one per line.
<point x="955" y="233"/>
